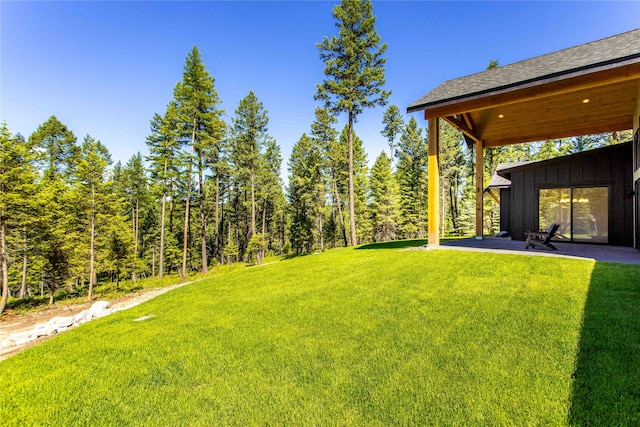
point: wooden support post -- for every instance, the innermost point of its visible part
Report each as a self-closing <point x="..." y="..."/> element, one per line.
<point x="479" y="188"/>
<point x="636" y="174"/>
<point x="434" y="183"/>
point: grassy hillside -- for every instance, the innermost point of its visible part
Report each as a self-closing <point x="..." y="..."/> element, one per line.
<point x="374" y="336"/>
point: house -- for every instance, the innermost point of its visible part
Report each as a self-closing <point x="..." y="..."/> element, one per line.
<point x="590" y="194"/>
<point x="582" y="90"/>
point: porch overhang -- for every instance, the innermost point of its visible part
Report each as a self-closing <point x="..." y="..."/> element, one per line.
<point x="587" y="89"/>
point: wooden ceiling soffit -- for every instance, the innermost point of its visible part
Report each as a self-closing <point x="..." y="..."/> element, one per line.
<point x="534" y="90"/>
<point x="461" y="125"/>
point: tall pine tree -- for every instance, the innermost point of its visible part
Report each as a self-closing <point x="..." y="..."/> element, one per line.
<point x="165" y="161"/>
<point x="203" y="130"/>
<point x="93" y="195"/>
<point x="354" y="70"/>
<point x="250" y="138"/>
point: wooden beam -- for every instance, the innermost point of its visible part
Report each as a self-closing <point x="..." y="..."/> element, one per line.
<point x="479" y="189"/>
<point x="433" y="193"/>
<point x="462" y="127"/>
<point x="493" y="196"/>
<point x="535" y="90"/>
<point x="544" y="135"/>
<point x="467" y="120"/>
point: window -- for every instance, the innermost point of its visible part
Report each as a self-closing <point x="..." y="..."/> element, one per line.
<point x="582" y="212"/>
<point x="555" y="207"/>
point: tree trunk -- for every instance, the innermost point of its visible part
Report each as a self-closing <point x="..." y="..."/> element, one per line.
<point x="454" y="208"/>
<point x="3" y="263"/>
<point x="23" y="284"/>
<point x="321" y="233"/>
<point x="253" y="205"/>
<point x="136" y="228"/>
<point x="183" y="271"/>
<point x="333" y="234"/>
<point x="91" y="249"/>
<point x="229" y="241"/>
<point x="216" y="250"/>
<point x="203" y="219"/>
<point x="164" y="201"/>
<point x="171" y="209"/>
<point x="352" y="198"/>
<point x="185" y="235"/>
<point x="392" y="147"/>
<point x="264" y="216"/>
<point x="340" y="217"/>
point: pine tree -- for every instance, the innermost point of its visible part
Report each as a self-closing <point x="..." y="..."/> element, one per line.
<point x="270" y="189"/>
<point x="305" y="178"/>
<point x="58" y="144"/>
<point x="360" y="180"/>
<point x="91" y="187"/>
<point x="219" y="164"/>
<point x="383" y="205"/>
<point x="163" y="145"/>
<point x="250" y="138"/>
<point x="17" y="179"/>
<point x="136" y="194"/>
<point x="54" y="219"/>
<point x="203" y="130"/>
<point x="393" y="125"/>
<point x="452" y="167"/>
<point x="354" y="67"/>
<point x="324" y="136"/>
<point x="411" y="174"/>
<point x="118" y="246"/>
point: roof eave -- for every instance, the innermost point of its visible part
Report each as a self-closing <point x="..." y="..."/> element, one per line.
<point x="617" y="63"/>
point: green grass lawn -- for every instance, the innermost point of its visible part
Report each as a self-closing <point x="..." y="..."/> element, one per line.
<point x="353" y="337"/>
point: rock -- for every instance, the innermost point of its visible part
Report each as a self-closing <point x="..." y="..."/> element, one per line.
<point x="20" y="338"/>
<point x="44" y="329"/>
<point x="82" y="317"/>
<point x="61" y="322"/>
<point x="98" y="307"/>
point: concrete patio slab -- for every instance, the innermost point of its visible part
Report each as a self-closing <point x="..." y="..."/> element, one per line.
<point x="604" y="253"/>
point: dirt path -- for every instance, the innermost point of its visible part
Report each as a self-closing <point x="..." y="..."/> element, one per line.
<point x="12" y="323"/>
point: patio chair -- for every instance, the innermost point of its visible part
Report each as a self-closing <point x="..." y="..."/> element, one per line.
<point x="543" y="237"/>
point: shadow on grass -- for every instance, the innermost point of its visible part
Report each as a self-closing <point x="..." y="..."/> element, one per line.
<point x="606" y="383"/>
<point x="395" y="244"/>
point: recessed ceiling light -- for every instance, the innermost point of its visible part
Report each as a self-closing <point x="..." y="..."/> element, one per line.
<point x="501" y="116"/>
<point x="585" y="101"/>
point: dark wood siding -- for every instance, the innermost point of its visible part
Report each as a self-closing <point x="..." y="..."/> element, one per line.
<point x="611" y="167"/>
<point x="638" y="214"/>
<point x="505" y="209"/>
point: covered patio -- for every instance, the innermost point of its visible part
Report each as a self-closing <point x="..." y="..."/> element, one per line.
<point x="587" y="89"/>
<point x="600" y="253"/>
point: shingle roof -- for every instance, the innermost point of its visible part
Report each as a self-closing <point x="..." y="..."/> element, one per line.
<point x="499" y="181"/>
<point x="506" y="169"/>
<point x="595" y="56"/>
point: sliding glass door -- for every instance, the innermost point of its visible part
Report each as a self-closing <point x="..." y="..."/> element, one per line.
<point x="582" y="212"/>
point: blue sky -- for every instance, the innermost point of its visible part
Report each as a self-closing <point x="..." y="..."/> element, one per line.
<point x="104" y="68"/>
